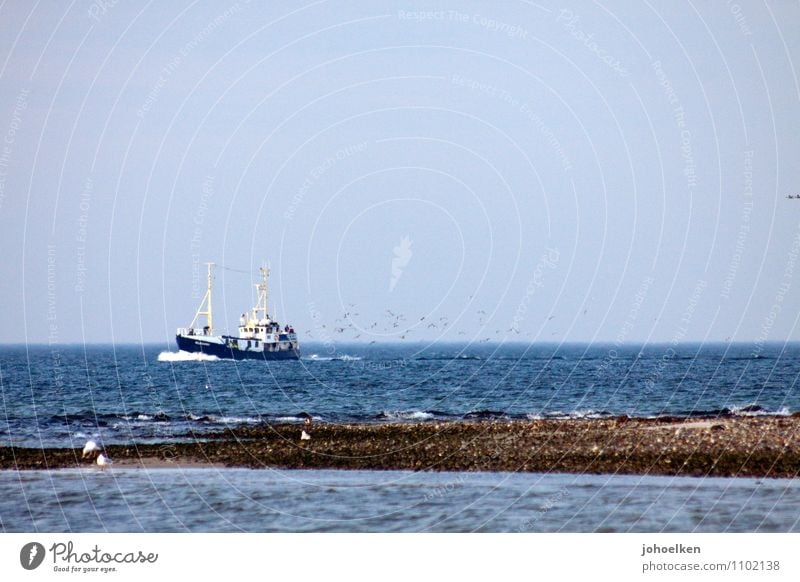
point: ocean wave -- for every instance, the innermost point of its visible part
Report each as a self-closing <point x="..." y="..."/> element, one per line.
<point x="576" y="414"/>
<point x="404" y="415"/>
<point x="751" y="409"/>
<point x="484" y="414"/>
<point x="237" y="419"/>
<point x="756" y="410"/>
<point x="181" y="356"/>
<point x="156" y="416"/>
<point x="742" y="411"/>
<point x="197" y="417"/>
<point x="461" y="357"/>
<point x="222" y="419"/>
<point x="210" y="418"/>
<point x="101" y="419"/>
<point x="291" y="418"/>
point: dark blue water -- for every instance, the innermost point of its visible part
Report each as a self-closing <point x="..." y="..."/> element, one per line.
<point x="59" y="396"/>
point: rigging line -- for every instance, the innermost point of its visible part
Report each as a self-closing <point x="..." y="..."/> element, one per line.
<point x="230" y="269"/>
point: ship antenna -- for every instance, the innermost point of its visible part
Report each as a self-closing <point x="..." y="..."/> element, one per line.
<point x="207" y="303"/>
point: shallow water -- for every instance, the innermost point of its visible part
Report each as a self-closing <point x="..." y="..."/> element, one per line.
<point x="225" y="500"/>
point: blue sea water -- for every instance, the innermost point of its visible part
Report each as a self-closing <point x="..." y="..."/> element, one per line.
<point x="62" y="395"/>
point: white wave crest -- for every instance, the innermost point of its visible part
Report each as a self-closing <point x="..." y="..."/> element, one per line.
<point x="236" y="419"/>
<point x="755" y="410"/>
<point x="407" y="414"/>
<point x="181" y="356"/>
<point x="574" y="414"/>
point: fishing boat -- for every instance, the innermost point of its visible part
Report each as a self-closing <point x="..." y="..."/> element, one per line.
<point x="259" y="337"/>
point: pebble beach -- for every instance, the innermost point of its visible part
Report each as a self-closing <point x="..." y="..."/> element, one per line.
<point x="721" y="447"/>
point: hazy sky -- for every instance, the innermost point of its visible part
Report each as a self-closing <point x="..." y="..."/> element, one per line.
<point x="608" y="172"/>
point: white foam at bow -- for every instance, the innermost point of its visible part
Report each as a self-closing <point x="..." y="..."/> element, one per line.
<point x="181" y="356"/>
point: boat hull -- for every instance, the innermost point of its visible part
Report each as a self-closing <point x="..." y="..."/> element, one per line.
<point x="199" y="344"/>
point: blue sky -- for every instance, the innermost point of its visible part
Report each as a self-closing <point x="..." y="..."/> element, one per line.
<point x="516" y="171"/>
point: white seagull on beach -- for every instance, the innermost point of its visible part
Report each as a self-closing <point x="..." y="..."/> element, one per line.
<point x="89" y="448"/>
<point x="92" y="450"/>
<point x="304" y="436"/>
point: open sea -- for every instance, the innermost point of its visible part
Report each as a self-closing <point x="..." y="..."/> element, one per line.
<point x="60" y="396"/>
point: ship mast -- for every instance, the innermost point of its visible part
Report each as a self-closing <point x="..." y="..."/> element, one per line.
<point x="261" y="289"/>
<point x="207" y="304"/>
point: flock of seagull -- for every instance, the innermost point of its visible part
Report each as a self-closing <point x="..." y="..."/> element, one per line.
<point x="92" y="450"/>
<point x="398" y="323"/>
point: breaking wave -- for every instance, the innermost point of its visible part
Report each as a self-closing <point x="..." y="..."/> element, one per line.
<point x="404" y="415"/>
<point x="756" y="410"/>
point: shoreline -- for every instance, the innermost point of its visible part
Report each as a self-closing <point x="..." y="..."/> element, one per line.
<point x="764" y="446"/>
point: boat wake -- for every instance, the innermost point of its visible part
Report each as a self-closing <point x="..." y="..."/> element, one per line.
<point x="341" y="358"/>
<point x="181" y="356"/>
